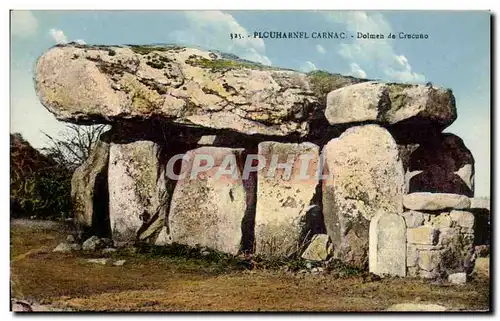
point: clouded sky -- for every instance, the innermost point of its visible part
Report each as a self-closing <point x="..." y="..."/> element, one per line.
<point x="456" y="55"/>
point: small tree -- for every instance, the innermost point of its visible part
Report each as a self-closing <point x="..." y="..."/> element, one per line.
<point x="74" y="145"/>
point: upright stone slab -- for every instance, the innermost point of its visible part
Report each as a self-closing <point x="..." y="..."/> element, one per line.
<point x="388" y="245"/>
<point x="285" y="199"/>
<point x="364" y="176"/>
<point x="89" y="191"/>
<point x="136" y="187"/>
<point x="210" y="209"/>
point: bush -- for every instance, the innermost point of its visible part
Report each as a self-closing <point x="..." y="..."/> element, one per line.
<point x="39" y="186"/>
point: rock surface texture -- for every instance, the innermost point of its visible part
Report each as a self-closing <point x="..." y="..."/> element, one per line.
<point x="136" y="187"/>
<point x="209" y="208"/>
<point x="435" y="201"/>
<point x="390" y="104"/>
<point x="389" y="191"/>
<point x="180" y="85"/>
<point x="387" y="245"/>
<point x="286" y="189"/>
<point x="319" y="249"/>
<point x="364" y="176"/>
<point x="89" y="188"/>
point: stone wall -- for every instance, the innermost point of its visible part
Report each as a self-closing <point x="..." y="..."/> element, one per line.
<point x="440" y="237"/>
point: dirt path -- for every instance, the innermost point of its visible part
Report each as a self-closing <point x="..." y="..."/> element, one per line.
<point x="39" y="224"/>
<point x="147" y="283"/>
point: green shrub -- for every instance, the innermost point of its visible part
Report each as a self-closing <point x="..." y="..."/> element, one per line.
<point x="39" y="186"/>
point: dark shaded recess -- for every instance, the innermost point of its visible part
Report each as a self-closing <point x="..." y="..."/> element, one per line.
<point x="171" y="140"/>
<point x="101" y="225"/>
<point x="169" y="147"/>
<point x="415" y="130"/>
<point x="313" y="220"/>
<point x="439" y="159"/>
<point x="250" y="184"/>
<point x="482" y="227"/>
<point x="248" y="222"/>
<point x="320" y="131"/>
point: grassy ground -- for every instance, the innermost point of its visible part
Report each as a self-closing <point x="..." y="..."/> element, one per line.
<point x="152" y="283"/>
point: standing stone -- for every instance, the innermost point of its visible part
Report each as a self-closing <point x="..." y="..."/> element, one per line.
<point x="388" y="245"/>
<point x="364" y="175"/>
<point x="89" y="188"/>
<point x="284" y="197"/>
<point x="136" y="187"/>
<point x="482" y="267"/>
<point x="209" y="209"/>
<point x="443" y="164"/>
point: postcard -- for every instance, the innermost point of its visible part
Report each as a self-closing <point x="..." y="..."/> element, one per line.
<point x="250" y="161"/>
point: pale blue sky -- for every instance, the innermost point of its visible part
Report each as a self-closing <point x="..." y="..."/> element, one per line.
<point x="456" y="55"/>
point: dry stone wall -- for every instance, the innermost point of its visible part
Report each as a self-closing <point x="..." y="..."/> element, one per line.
<point x="440" y="239"/>
<point x="385" y="189"/>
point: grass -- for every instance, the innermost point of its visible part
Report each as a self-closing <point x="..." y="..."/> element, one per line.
<point x="144" y="50"/>
<point x="178" y="279"/>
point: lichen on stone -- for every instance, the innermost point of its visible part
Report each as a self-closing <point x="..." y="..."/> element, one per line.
<point x="397" y="94"/>
<point x="143" y="98"/>
<point x="323" y="82"/>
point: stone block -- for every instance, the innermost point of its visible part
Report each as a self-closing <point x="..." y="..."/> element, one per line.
<point x="388" y="245"/>
<point x="423" y="235"/>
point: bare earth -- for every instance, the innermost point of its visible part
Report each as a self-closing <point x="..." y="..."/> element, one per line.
<point x="146" y="283"/>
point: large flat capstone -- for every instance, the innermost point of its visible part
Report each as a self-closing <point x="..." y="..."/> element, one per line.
<point x="186" y="86"/>
<point x="435" y="201"/>
<point x="391" y="103"/>
<point x="192" y="87"/>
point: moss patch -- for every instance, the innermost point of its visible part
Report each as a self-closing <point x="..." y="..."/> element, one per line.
<point x="217" y="63"/>
<point x="397" y="94"/>
<point x="323" y="82"/>
<point x="144" y="50"/>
